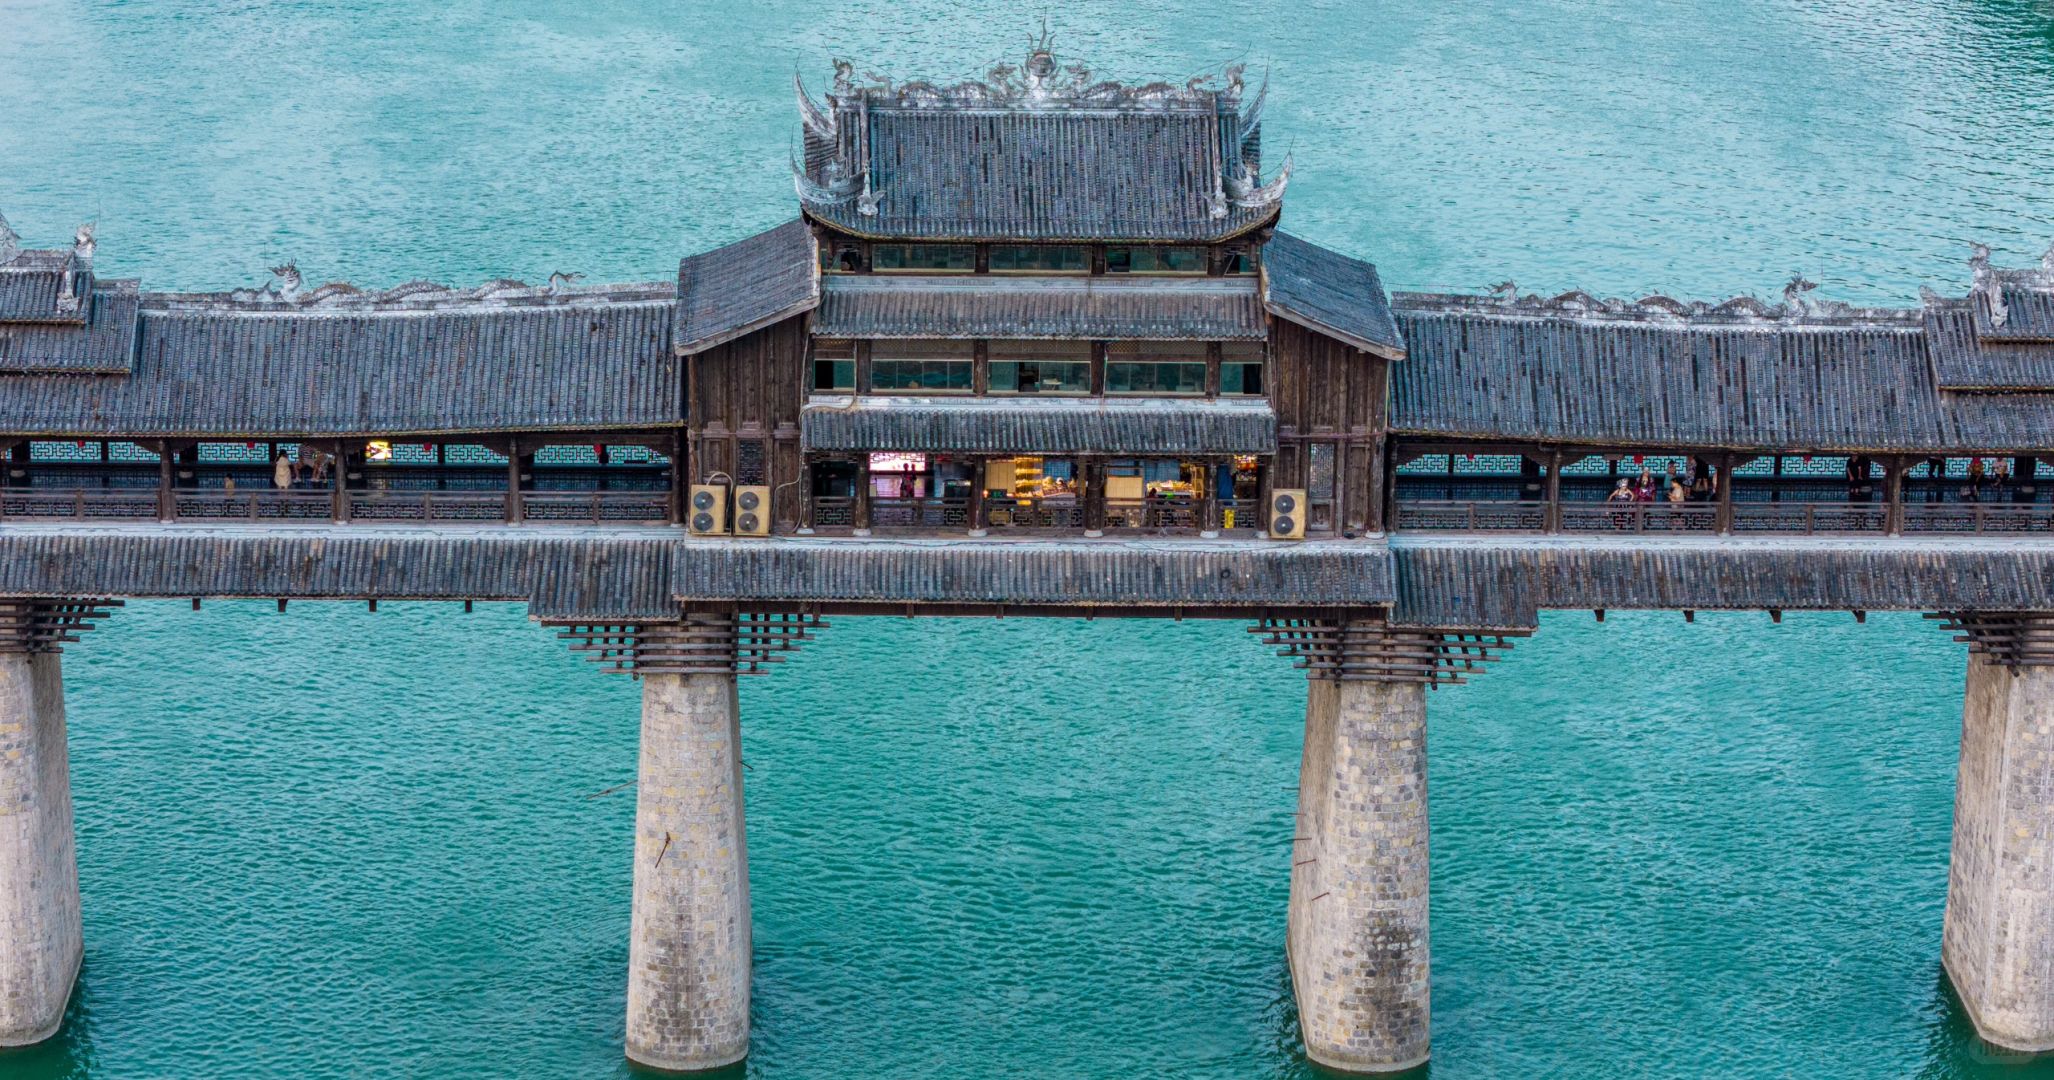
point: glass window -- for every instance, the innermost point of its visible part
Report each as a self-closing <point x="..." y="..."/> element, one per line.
<point x="1155" y="260"/>
<point x="1241" y="369"/>
<point x="1149" y="377"/>
<point x="1039" y="258"/>
<point x="834" y="365"/>
<point x="887" y="258"/>
<point x="921" y="367"/>
<point x="1040" y="367"/>
<point x="840" y="258"/>
<point x="1240" y="261"/>
<point x="1155" y="367"/>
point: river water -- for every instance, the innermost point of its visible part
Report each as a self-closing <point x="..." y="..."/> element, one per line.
<point x="336" y="843"/>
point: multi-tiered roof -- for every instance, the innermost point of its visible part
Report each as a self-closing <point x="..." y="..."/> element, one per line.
<point x="1041" y="152"/>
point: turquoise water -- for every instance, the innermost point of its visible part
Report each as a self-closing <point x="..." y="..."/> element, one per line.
<point x="333" y="843"/>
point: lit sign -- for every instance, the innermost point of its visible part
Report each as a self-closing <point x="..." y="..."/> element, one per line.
<point x="898" y="463"/>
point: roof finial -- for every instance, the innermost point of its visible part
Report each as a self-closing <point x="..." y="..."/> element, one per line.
<point x="10" y="243"/>
<point x="82" y="243"/>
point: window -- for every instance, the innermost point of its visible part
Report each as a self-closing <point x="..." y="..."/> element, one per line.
<point x="1038" y="258"/>
<point x="1240" y="261"/>
<point x="1040" y="367"/>
<point x="921" y="367"/>
<point x="1241" y="369"/>
<point x="1319" y="472"/>
<point x="888" y="258"/>
<point x="1155" y="367"/>
<point x="840" y="257"/>
<point x="834" y="365"/>
<point x="1155" y="260"/>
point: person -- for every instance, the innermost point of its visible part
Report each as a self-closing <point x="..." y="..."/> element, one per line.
<point x="1621" y="494"/>
<point x="1677" y="492"/>
<point x="1974" y="491"/>
<point x="1701" y="486"/>
<point x="281" y="472"/>
<point x="1644" y="489"/>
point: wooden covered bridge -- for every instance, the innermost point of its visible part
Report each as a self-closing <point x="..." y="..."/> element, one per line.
<point x="1035" y="346"/>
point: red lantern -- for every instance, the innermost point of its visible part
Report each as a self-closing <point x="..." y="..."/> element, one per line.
<point x="1469" y="457"/>
<point x="1807" y="459"/>
<point x="1639" y="458"/>
<point x="82" y="444"/>
<point x="249" y="446"/>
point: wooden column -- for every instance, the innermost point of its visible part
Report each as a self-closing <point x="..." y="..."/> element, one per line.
<point x="339" y="476"/>
<point x="514" y="509"/>
<point x="679" y="477"/>
<point x="1893" y="486"/>
<point x="1093" y="495"/>
<point x="861" y="513"/>
<point x="1553" y="519"/>
<point x="1209" y="505"/>
<point x="1725" y="515"/>
<point x="167" y="503"/>
<point x="977" y="493"/>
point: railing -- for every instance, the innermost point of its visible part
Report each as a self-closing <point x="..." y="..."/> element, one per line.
<point x="1154" y="512"/>
<point x="130" y="504"/>
<point x="1977" y="518"/>
<point x="1809" y="517"/>
<point x="1655" y="517"/>
<point x="833" y="511"/>
<point x="1004" y="512"/>
<point x="949" y="513"/>
<point x="427" y="506"/>
<point x="596" y="507"/>
<point x="1239" y="513"/>
<point x="253" y="504"/>
<point x="1483" y="515"/>
<point x="1473" y="515"/>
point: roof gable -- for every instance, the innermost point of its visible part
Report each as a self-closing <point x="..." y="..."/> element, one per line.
<point x="1035" y="154"/>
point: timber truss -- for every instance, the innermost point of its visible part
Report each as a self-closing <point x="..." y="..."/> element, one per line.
<point x="2014" y="639"/>
<point x="46" y="626"/>
<point x="1371" y="650"/>
<point x="698" y="644"/>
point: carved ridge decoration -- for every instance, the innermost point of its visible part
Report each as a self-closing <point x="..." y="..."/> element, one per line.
<point x="1368" y="650"/>
<point x="287" y="293"/>
<point x="698" y="644"/>
<point x="829" y="177"/>
<point x="1797" y="307"/>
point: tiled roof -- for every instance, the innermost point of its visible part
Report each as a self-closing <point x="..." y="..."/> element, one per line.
<point x="1331" y="293"/>
<point x="1115" y="308"/>
<point x="1034" y="423"/>
<point x="749" y="284"/>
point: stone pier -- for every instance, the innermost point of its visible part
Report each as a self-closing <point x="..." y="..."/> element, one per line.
<point x="1998" y="945"/>
<point x="40" y="939"/>
<point x="1358" y="919"/>
<point x="688" y="958"/>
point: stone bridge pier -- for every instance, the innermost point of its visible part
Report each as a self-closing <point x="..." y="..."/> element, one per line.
<point x="1358" y="935"/>
<point x="41" y="943"/>
<point x="1998" y="941"/>
<point x="689" y="951"/>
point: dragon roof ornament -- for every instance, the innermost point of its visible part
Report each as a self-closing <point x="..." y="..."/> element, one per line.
<point x="10" y="242"/>
<point x="1041" y="81"/>
<point x="1988" y="283"/>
